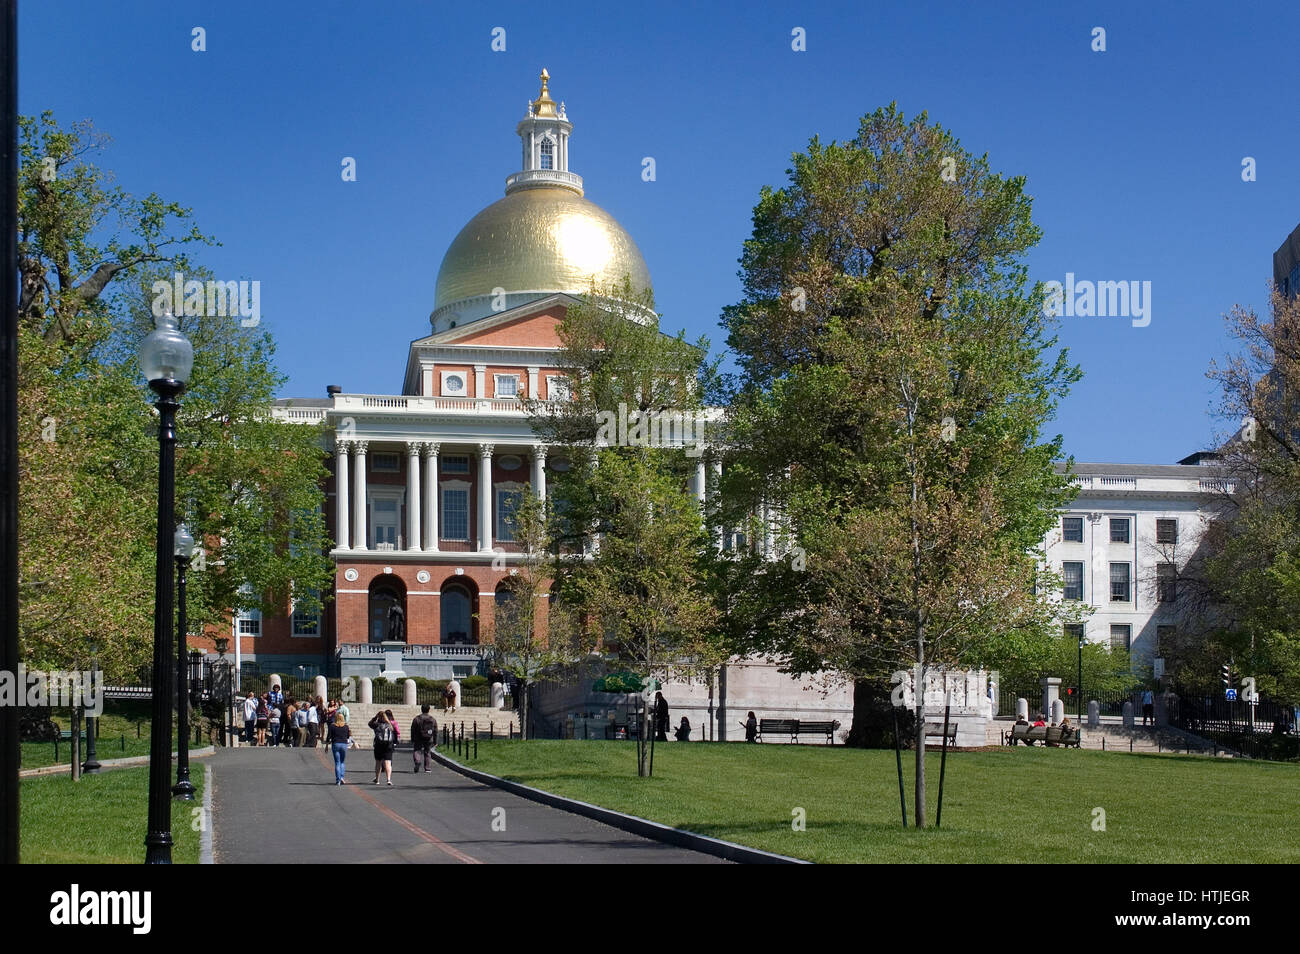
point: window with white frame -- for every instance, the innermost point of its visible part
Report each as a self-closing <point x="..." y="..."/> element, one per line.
<point x="1072" y="529"/>
<point x="1166" y="582"/>
<point x="248" y="622"/>
<point x="1119" y="530"/>
<point x="1166" y="531"/>
<point x="557" y="388"/>
<point x="305" y="622"/>
<point x="1121" y="636"/>
<point x="455" y="464"/>
<point x="508" y="499"/>
<point x="455" y="512"/>
<point x="384" y="513"/>
<point x="507" y="385"/>
<point x="1072" y="574"/>
<point x="1119" y="582"/>
<point x="548" y="154"/>
<point x="385" y="462"/>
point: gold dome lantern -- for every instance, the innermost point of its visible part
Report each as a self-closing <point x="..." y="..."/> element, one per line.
<point x="543" y="237"/>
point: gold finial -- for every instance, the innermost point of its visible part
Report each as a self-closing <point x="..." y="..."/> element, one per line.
<point x="543" y="105"/>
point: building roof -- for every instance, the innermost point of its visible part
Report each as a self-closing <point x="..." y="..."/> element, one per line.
<point x="1140" y="470"/>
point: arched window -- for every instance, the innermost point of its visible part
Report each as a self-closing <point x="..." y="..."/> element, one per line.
<point x="457" y="614"/>
<point x="548" y="154"/>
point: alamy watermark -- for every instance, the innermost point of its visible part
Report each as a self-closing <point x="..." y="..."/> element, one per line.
<point x="667" y="428"/>
<point x="37" y="688"/>
<point x="1086" y="299"/>
<point x="213" y="299"/>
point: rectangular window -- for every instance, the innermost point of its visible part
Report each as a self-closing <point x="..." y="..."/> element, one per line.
<point x="1166" y="531"/>
<point x="1166" y="582"/>
<point x="1119" y="530"/>
<point x="557" y="388"/>
<point x="507" y="385"/>
<point x="304" y="623"/>
<point x="455" y="515"/>
<point x="455" y="464"/>
<point x="1120" y="636"/>
<point x="1074" y="631"/>
<point x="1072" y="529"/>
<point x="248" y="622"/>
<point x="1164" y="639"/>
<point x="1119" y="583"/>
<point x="507" y="503"/>
<point x="386" y="463"/>
<point x="383" y="519"/>
<point x="1073" y="574"/>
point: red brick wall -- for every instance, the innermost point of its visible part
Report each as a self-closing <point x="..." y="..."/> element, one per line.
<point x="533" y="331"/>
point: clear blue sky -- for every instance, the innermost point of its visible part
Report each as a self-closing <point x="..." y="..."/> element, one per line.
<point x="1134" y="155"/>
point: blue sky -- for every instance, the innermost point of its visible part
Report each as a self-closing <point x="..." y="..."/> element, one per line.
<point x="1133" y="155"/>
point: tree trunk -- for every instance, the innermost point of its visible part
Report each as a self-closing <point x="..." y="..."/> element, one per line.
<point x="919" y="810"/>
<point x="523" y="709"/>
<point x="873" y="723"/>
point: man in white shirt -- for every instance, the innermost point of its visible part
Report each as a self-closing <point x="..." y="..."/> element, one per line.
<point x="250" y="718"/>
<point x="313" y="726"/>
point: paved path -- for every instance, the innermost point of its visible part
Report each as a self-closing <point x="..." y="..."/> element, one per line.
<point x="281" y="805"/>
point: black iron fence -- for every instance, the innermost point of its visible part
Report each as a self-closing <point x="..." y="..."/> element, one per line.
<point x="1110" y="702"/>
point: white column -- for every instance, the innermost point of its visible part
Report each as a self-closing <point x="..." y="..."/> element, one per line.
<point x="716" y="466"/>
<point x="485" y="498"/>
<point x="431" y="497"/>
<point x="700" y="482"/>
<point x="412" y="495"/>
<point x="480" y="381"/>
<point x="359" y="521"/>
<point x="539" y="473"/>
<point x="341" y="477"/>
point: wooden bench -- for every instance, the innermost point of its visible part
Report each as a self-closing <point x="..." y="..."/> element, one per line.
<point x="934" y="730"/>
<point x="788" y="727"/>
<point x="797" y="727"/>
<point x="1048" y="735"/>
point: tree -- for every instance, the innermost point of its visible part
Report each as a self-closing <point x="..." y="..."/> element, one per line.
<point x="88" y="255"/>
<point x="637" y="543"/>
<point x="1252" y="550"/>
<point x="894" y="381"/>
<point x="530" y="643"/>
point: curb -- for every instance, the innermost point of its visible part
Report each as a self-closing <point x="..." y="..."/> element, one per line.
<point x="629" y="823"/>
<point x="205" y="840"/>
<point x="129" y="762"/>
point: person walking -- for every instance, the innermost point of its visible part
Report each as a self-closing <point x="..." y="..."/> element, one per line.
<point x="340" y="740"/>
<point x="1148" y="707"/>
<point x="313" y="725"/>
<point x="385" y="742"/>
<point x="661" y="718"/>
<point x="250" y="718"/>
<point x="424" y="737"/>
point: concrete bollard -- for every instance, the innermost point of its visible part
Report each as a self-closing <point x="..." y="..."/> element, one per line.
<point x="1022" y="709"/>
<point x="1058" y="711"/>
<point x="408" y="692"/>
<point x="321" y="688"/>
<point x="498" y="696"/>
<point x="1094" y="714"/>
<point x="366" y="691"/>
<point x="274" y="681"/>
<point x="1128" y="714"/>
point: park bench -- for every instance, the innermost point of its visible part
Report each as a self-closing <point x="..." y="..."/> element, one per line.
<point x="1043" y="733"/>
<point x="935" y="730"/>
<point x="796" y="727"/>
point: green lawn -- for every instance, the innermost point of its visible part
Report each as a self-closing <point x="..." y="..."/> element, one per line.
<point x="1021" y="805"/>
<point x="101" y="819"/>
<point x="117" y="736"/>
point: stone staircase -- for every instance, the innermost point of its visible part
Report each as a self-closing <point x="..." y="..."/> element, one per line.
<point x="501" y="720"/>
<point x="1114" y="737"/>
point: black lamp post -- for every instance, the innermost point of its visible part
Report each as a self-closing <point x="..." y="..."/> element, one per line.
<point x="1078" y="704"/>
<point x="166" y="358"/>
<point x="184" y="788"/>
<point x="91" y="765"/>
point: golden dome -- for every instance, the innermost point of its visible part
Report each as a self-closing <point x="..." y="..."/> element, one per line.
<point x="537" y="240"/>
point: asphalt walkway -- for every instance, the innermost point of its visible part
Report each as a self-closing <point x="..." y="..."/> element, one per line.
<point x="281" y="806"/>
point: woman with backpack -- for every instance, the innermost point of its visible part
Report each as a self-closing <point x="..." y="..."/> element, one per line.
<point x="385" y="741"/>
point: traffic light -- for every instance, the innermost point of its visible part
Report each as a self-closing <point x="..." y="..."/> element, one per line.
<point x="1226" y="675"/>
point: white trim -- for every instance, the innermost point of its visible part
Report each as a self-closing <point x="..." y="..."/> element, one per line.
<point x="463" y="392"/>
<point x="496" y="386"/>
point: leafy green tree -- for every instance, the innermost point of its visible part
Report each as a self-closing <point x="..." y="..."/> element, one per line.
<point x="637" y="552"/>
<point x="248" y="485"/>
<point x="895" y="377"/>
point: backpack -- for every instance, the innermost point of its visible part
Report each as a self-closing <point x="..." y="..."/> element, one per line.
<point x="428" y="729"/>
<point x="384" y="731"/>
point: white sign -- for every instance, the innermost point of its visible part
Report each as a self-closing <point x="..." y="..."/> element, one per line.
<point x="1158" y="667"/>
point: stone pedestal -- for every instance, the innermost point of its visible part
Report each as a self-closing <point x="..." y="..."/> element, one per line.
<point x="1128" y="715"/>
<point x="1058" y="711"/>
<point x="366" y="691"/>
<point x="408" y="692"/>
<point x="393" y="651"/>
<point x="1022" y="709"/>
<point x="320" y="688"/>
<point x="498" y="696"/>
<point x="1094" y="714"/>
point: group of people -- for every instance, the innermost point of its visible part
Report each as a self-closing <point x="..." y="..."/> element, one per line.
<point x="424" y="739"/>
<point x="274" y="719"/>
<point x="1066" y="727"/>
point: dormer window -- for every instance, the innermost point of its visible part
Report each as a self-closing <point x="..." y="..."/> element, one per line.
<point x="548" y="154"/>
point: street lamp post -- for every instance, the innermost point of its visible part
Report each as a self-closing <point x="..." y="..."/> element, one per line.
<point x="1078" y="703"/>
<point x="166" y="357"/>
<point x="184" y="788"/>
<point x="91" y="766"/>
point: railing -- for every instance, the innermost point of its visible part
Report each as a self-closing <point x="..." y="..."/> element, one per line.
<point x="1263" y="730"/>
<point x="437" y="649"/>
<point x="1217" y="485"/>
<point x="1119" y="483"/>
<point x="546" y="176"/>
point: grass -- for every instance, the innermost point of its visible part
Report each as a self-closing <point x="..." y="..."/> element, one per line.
<point x="1023" y="805"/>
<point x="101" y="819"/>
<point x="116" y="737"/>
